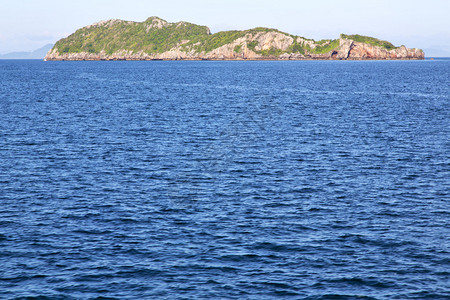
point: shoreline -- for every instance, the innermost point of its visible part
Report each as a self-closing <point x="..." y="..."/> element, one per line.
<point x="242" y="59"/>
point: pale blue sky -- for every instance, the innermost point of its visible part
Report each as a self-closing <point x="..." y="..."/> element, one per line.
<point x="29" y="24"/>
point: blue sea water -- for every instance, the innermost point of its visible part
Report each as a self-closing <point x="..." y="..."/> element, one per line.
<point x="225" y="180"/>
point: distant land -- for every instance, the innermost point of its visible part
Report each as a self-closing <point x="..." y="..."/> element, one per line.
<point x="157" y="39"/>
<point x="36" y="54"/>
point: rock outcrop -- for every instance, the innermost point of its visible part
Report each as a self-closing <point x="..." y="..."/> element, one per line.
<point x="366" y="51"/>
<point x="156" y="39"/>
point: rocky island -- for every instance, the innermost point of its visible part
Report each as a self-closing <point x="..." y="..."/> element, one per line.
<point x="157" y="39"/>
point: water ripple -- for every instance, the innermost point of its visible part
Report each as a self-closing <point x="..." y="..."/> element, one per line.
<point x="224" y="180"/>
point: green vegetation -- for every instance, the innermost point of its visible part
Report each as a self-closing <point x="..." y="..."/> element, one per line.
<point x="131" y="36"/>
<point x="158" y="36"/>
<point x="252" y="45"/>
<point x="271" y="52"/>
<point x="214" y="41"/>
<point x="296" y="48"/>
<point x="321" y="42"/>
<point x="263" y="29"/>
<point x="369" y="40"/>
<point x="325" y="48"/>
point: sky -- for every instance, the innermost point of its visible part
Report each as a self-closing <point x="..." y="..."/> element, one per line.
<point x="26" y="25"/>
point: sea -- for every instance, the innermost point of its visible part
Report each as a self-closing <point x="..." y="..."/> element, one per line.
<point x="225" y="179"/>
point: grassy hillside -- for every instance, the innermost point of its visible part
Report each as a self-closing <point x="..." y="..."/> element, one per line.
<point x="134" y="36"/>
<point x="369" y="40"/>
<point x="116" y="35"/>
<point x="155" y="36"/>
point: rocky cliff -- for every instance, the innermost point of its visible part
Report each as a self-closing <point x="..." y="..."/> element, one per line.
<point x="156" y="39"/>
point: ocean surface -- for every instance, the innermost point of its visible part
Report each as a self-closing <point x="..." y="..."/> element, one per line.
<point x="225" y="180"/>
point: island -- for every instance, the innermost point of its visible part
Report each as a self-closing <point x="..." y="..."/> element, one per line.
<point x="157" y="39"/>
